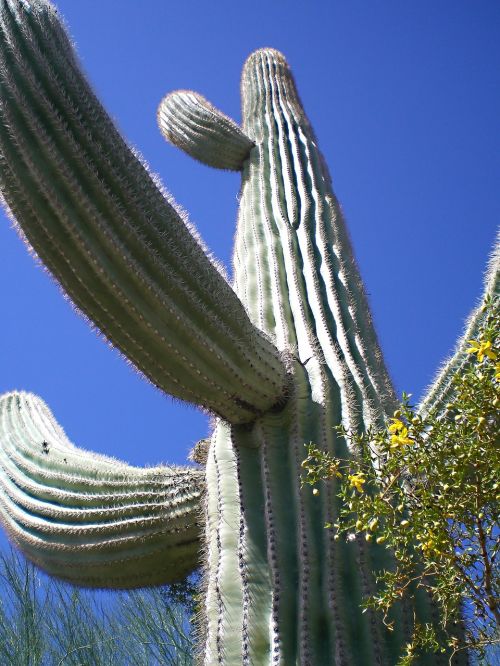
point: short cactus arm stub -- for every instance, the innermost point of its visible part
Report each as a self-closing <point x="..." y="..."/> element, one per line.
<point x="109" y="235"/>
<point x="89" y="519"/>
<point x="191" y="123"/>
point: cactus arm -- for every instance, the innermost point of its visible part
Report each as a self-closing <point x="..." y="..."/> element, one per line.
<point x="188" y="121"/>
<point x="441" y="390"/>
<point x="105" y="230"/>
<point x="90" y="519"/>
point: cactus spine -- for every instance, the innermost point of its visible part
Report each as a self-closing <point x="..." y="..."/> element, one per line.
<point x="281" y="359"/>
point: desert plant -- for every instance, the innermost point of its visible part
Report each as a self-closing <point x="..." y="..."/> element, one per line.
<point x="281" y="358"/>
<point x="433" y="497"/>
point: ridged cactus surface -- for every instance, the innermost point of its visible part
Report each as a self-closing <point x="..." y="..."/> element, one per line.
<point x="190" y="122"/>
<point x="281" y="358"/>
<point x="87" y="518"/>
<point x="296" y="274"/>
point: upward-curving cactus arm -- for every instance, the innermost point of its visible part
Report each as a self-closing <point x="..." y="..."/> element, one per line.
<point x="106" y="231"/>
<point x="90" y="519"/>
<point x="441" y="391"/>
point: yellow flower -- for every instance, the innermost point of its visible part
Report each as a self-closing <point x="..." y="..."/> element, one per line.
<point x="400" y="439"/>
<point x="428" y="546"/>
<point x="357" y="481"/>
<point x="481" y="349"/>
<point x="396" y="425"/>
<point x="399" y="434"/>
<point x="497" y="372"/>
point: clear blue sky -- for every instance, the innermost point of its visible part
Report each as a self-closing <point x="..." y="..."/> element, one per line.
<point x="405" y="101"/>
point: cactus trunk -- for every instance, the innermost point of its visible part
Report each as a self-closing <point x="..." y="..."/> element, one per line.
<point x="281" y="589"/>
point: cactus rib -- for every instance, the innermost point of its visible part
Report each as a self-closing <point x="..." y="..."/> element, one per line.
<point x="110" y="237"/>
<point x="191" y="123"/>
<point x="90" y="519"/>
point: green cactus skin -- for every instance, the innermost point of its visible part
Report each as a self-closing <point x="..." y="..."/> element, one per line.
<point x="279" y="588"/>
<point x="191" y="123"/>
<point x="105" y="230"/>
<point x="90" y="519"/>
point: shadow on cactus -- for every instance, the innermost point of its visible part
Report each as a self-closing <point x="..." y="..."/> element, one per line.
<point x="280" y="358"/>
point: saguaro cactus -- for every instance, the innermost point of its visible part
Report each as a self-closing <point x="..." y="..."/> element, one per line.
<point x="280" y="359"/>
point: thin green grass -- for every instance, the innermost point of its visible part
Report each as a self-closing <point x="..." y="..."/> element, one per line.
<point x="44" y="622"/>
